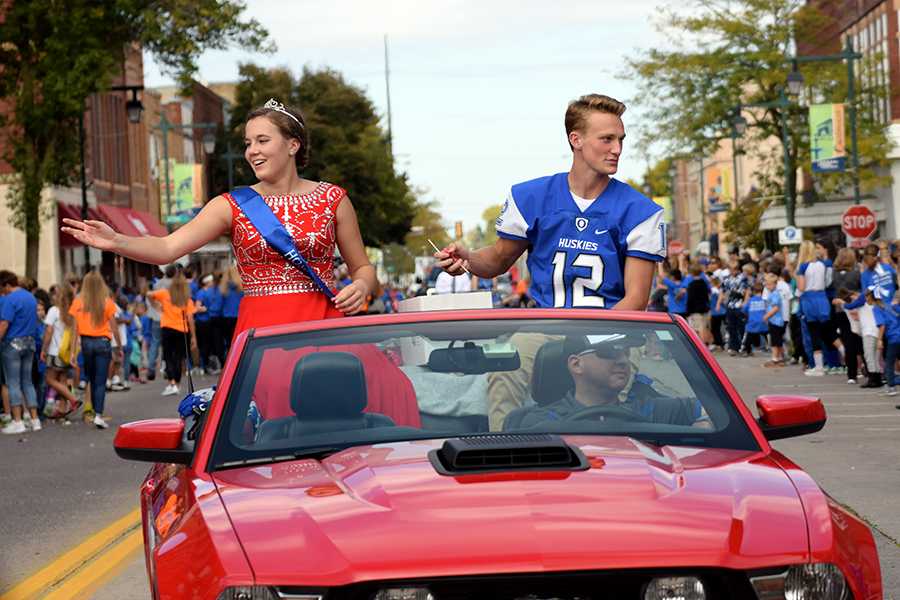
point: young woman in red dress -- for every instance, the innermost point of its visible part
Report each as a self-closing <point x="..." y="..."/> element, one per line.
<point x="317" y="214"/>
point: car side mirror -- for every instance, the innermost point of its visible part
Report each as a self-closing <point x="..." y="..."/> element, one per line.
<point x="154" y="440"/>
<point x="789" y="416"/>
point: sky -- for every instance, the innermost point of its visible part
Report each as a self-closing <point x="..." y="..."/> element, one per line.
<point x="478" y="88"/>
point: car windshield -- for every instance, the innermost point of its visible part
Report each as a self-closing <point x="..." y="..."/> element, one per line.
<point x="314" y="393"/>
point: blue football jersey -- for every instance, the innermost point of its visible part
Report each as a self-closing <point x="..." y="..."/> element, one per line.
<point x="577" y="259"/>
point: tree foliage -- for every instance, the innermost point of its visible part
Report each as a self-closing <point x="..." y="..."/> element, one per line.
<point x="742" y="221"/>
<point x="427" y="224"/>
<point x="56" y="53"/>
<point x="347" y="144"/>
<point x="722" y="54"/>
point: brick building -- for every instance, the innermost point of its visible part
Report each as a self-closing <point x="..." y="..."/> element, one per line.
<point x="120" y="188"/>
<point x="872" y="26"/>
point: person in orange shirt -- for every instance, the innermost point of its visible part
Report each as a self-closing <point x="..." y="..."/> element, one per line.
<point x="95" y="321"/>
<point x="176" y="323"/>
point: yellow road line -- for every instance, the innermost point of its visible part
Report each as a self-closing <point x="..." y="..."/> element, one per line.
<point x="95" y="574"/>
<point x="69" y="562"/>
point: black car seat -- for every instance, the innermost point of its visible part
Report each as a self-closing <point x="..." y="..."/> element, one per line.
<point x="550" y="380"/>
<point x="328" y="393"/>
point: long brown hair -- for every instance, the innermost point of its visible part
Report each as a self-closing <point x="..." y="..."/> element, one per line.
<point x="846" y="259"/>
<point x="93" y="297"/>
<point x="179" y="290"/>
<point x="231" y="275"/>
<point x="64" y="297"/>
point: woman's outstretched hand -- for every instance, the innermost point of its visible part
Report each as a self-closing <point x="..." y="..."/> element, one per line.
<point x="96" y="234"/>
<point x="351" y="299"/>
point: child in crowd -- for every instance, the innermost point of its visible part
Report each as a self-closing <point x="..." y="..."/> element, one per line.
<point x="755" y="309"/>
<point x="887" y="318"/>
<point x="677" y="295"/>
<point x="716" y="315"/>
<point x="868" y="329"/>
<point x="774" y="318"/>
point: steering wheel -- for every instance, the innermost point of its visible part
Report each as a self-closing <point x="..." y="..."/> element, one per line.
<point x="607" y="410"/>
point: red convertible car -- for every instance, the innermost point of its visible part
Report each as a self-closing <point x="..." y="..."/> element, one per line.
<point x="489" y="454"/>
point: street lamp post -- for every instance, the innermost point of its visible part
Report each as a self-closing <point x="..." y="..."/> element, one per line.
<point x="795" y="83"/>
<point x="209" y="145"/>
<point x="133" y="108"/>
<point x="740" y="125"/>
<point x="230" y="156"/>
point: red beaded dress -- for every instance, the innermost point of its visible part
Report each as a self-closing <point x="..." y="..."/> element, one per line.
<point x="275" y="291"/>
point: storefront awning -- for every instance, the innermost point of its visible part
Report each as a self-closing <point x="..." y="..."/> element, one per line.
<point x="71" y="211"/>
<point x="128" y="221"/>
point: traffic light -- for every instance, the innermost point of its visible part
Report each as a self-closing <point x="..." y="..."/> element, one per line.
<point x="459" y="231"/>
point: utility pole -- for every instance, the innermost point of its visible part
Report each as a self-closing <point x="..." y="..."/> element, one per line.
<point x="84" y="187"/>
<point x="387" y="85"/>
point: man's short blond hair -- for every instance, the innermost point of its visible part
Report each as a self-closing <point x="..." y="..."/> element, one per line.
<point x="579" y="110"/>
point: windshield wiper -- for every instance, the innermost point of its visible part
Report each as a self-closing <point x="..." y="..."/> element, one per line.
<point x="318" y="453"/>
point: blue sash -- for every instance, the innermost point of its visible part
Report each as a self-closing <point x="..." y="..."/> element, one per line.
<point x="272" y="230"/>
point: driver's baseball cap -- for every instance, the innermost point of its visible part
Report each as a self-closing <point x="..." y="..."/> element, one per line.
<point x="608" y="345"/>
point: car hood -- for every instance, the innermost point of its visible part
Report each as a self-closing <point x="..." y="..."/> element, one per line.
<point x="383" y="512"/>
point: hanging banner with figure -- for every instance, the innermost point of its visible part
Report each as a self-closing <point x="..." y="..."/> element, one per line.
<point x="187" y="192"/>
<point x="826" y="138"/>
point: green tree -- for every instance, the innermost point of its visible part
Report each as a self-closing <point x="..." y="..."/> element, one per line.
<point x="742" y="221"/>
<point x="56" y="53"/>
<point x="348" y="146"/>
<point x="725" y="53"/>
<point x="427" y="224"/>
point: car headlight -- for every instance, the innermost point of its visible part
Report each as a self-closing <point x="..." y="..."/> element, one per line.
<point x="675" y="588"/>
<point x="247" y="592"/>
<point x="819" y="581"/>
<point x="404" y="593"/>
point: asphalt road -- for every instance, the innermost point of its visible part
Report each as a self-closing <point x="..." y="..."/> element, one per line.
<point x="63" y="484"/>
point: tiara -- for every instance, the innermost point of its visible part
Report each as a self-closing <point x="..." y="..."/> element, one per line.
<point x="279" y="107"/>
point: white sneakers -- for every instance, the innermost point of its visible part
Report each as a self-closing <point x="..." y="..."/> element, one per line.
<point x="100" y="423"/>
<point x="14" y="427"/>
<point x="814" y="372"/>
<point x="22" y="426"/>
<point x="170" y="390"/>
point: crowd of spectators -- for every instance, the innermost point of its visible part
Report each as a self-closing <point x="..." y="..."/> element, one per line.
<point x="831" y="311"/>
<point x="56" y="359"/>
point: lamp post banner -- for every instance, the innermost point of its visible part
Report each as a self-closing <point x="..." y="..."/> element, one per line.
<point x="187" y="191"/>
<point x="828" y="150"/>
<point x="666" y="203"/>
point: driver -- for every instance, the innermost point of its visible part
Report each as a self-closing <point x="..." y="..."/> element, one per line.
<point x="601" y="369"/>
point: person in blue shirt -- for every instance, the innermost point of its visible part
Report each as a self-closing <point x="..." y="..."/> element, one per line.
<point x="755" y="309"/>
<point x="676" y="295"/>
<point x="775" y="320"/>
<point x="231" y="291"/>
<point x="887" y="318"/>
<point x="591" y="239"/>
<point x="18" y="324"/>
<point x="877" y="273"/>
<point x="203" y="319"/>
<point x="716" y="314"/>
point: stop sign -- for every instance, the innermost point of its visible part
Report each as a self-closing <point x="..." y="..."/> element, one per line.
<point x="676" y="247"/>
<point x="859" y="222"/>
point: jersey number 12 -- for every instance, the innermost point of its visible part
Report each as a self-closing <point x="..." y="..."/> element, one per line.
<point x="579" y="284"/>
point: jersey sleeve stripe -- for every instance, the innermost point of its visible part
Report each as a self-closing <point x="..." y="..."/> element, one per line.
<point x="648" y="237"/>
<point x="511" y="221"/>
<point x="509" y="236"/>
<point x="644" y="255"/>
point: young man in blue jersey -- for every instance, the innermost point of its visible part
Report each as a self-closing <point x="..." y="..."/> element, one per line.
<point x="592" y="240"/>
